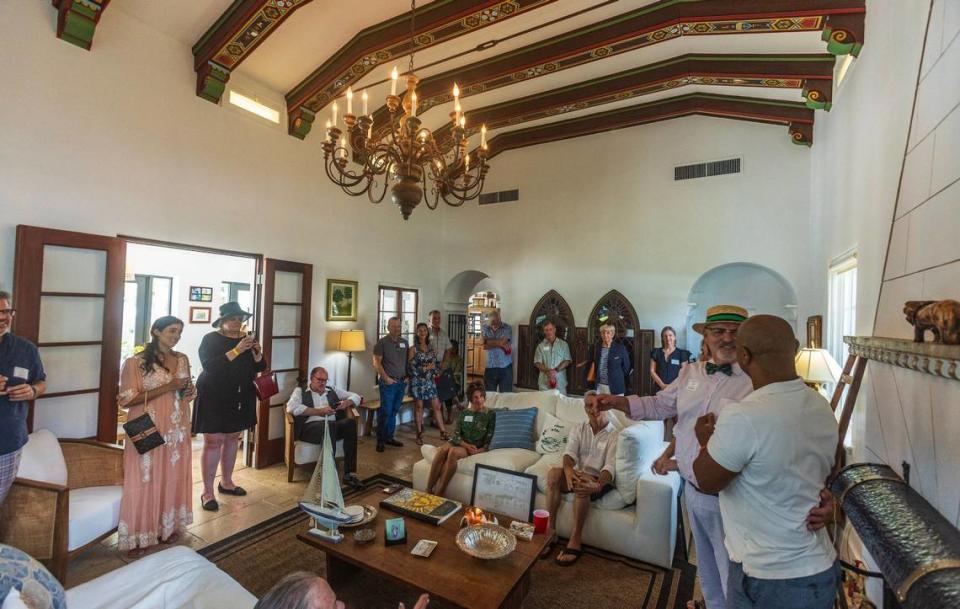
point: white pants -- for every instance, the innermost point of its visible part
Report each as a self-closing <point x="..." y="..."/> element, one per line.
<point x="713" y="564"/>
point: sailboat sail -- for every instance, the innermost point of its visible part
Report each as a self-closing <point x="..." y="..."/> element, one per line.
<point x="324" y="487"/>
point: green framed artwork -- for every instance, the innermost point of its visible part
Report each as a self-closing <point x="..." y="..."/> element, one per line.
<point x="341" y="300"/>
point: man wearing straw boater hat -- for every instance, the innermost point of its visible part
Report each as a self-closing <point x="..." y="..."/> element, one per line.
<point x="702" y="387"/>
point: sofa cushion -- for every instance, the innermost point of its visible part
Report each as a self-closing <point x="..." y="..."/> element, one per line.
<point x="42" y="459"/>
<point x="513" y="459"/>
<point x="20" y="572"/>
<point x="638" y="445"/>
<point x="305" y="452"/>
<point x="570" y="409"/>
<point x="94" y="511"/>
<point x="543" y="401"/>
<point x="514" y="429"/>
<point x="553" y="437"/>
<point x="542" y="467"/>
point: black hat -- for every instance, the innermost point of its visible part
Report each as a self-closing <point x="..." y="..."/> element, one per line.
<point x="229" y="309"/>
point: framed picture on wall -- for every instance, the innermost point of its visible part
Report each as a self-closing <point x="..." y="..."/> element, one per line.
<point x="200" y="315"/>
<point x="201" y="294"/>
<point x="341" y="300"/>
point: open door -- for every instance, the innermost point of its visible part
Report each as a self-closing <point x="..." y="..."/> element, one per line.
<point x="68" y="293"/>
<point x="285" y="336"/>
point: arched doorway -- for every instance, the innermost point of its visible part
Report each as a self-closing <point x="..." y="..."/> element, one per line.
<point x="551" y="306"/>
<point x="615" y="309"/>
<point x="461" y="324"/>
<point x="756" y="288"/>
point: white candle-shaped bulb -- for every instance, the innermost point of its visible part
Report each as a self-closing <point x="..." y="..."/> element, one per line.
<point x="370" y="131"/>
<point x="329" y="124"/>
<point x="334" y="110"/>
<point x="364" y="98"/>
<point x="394" y="75"/>
<point x="349" y="100"/>
<point x="343" y="145"/>
<point x="483" y="136"/>
<point x="413" y="103"/>
<point x="456" y="92"/>
<point x="463" y="122"/>
<point x="466" y="163"/>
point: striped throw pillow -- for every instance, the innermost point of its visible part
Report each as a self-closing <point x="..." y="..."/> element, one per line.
<point x="514" y="429"/>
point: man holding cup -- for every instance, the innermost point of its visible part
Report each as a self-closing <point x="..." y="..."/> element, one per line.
<point x="552" y="357"/>
<point x="22" y="380"/>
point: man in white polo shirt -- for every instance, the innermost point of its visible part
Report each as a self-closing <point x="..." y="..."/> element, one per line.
<point x="768" y="457"/>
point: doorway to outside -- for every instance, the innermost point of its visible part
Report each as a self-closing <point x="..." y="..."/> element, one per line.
<point x="164" y="280"/>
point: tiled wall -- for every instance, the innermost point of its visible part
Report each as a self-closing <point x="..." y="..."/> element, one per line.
<point x="911" y="416"/>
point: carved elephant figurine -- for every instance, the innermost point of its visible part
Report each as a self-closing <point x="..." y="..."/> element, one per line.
<point x="942" y="317"/>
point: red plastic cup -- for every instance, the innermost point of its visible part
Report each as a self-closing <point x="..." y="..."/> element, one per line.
<point x="507" y="350"/>
<point x="541" y="518"/>
<point x="553" y="383"/>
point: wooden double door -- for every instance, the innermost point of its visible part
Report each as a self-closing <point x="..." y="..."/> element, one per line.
<point x="68" y="290"/>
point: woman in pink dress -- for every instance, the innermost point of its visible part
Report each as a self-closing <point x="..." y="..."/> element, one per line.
<point x="157" y="503"/>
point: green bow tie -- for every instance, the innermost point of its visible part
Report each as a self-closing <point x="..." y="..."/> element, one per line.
<point x="724" y="368"/>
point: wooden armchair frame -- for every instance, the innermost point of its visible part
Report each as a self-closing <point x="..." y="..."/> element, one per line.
<point x="36" y="515"/>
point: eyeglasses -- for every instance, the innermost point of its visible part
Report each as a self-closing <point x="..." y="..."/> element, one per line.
<point x="718" y="332"/>
<point x="8" y="312"/>
<point x="320" y="379"/>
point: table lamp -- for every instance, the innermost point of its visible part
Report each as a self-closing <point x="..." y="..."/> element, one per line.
<point x="817" y="366"/>
<point x="351" y="341"/>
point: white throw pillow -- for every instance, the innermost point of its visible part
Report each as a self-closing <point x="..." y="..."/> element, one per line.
<point x="42" y="459"/>
<point x="553" y="438"/>
<point x="632" y="458"/>
<point x="13" y="600"/>
<point x="571" y="409"/>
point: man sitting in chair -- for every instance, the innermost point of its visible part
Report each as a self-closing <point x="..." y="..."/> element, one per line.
<point x="587" y="472"/>
<point x="317" y="403"/>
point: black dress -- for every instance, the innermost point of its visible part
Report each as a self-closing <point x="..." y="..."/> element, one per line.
<point x="225" y="402"/>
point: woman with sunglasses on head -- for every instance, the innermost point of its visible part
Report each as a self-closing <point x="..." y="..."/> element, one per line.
<point x="157" y="502"/>
<point x="226" y="403"/>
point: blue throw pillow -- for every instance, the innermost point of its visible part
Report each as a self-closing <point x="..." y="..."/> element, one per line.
<point x="514" y="429"/>
<point x="19" y="570"/>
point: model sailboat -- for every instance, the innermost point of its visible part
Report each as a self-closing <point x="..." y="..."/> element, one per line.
<point x="323" y="500"/>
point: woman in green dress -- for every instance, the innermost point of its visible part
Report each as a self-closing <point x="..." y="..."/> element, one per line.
<point x="472" y="435"/>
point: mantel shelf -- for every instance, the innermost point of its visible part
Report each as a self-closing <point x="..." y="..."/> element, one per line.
<point x="931" y="358"/>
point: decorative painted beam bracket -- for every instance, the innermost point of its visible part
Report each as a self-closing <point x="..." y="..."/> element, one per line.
<point x="211" y="81"/>
<point x="801" y="133"/>
<point x="77" y="20"/>
<point x="818" y="94"/>
<point x="301" y="121"/>
<point x="843" y="33"/>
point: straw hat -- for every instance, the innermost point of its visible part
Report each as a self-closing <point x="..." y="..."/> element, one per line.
<point x="722" y="313"/>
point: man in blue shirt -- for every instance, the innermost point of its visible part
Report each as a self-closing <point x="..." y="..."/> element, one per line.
<point x="497" y="342"/>
<point x="21" y="380"/>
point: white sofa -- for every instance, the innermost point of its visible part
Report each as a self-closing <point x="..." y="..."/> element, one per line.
<point x="644" y="529"/>
<point x="176" y="578"/>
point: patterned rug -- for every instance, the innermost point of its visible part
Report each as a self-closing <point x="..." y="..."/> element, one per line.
<point x="259" y="556"/>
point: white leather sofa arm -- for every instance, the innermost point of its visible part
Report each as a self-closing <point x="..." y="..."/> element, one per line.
<point x="656" y="511"/>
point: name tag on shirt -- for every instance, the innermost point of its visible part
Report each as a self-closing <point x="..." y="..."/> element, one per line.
<point x="692" y="385"/>
<point x="468" y="418"/>
<point x="675" y="362"/>
<point x="21" y="373"/>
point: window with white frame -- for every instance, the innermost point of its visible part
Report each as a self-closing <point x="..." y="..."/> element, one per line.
<point x="842" y="305"/>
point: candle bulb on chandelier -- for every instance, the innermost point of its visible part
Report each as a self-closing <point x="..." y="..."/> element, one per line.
<point x="364" y="98"/>
<point x="483" y="136"/>
<point x="343" y="147"/>
<point x="334" y="111"/>
<point x="394" y="75"/>
<point x="463" y="122"/>
<point x="456" y="102"/>
<point x="349" y="100"/>
<point x="413" y="104"/>
<point x="466" y="164"/>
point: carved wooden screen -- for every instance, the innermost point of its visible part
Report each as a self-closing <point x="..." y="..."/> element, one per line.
<point x="615" y="309"/>
<point x="553" y="307"/>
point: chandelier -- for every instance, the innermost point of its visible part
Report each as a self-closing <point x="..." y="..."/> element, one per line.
<point x="408" y="156"/>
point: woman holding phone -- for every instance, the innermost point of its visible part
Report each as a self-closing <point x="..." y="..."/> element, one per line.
<point x="226" y="403"/>
<point x="157" y="501"/>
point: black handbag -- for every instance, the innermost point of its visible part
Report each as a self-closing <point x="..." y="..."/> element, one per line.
<point x="446" y="386"/>
<point x="143" y="433"/>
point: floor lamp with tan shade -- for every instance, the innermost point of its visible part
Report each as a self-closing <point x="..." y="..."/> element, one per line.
<point x="351" y="341"/>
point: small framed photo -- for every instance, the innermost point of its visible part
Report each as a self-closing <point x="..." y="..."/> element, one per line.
<point x="201" y="294"/>
<point x="200" y="315"/>
<point x="394" y="531"/>
<point x="341" y="300"/>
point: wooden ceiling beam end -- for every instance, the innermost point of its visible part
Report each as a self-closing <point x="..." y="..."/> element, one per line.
<point x="843" y="33"/>
<point x="77" y="20"/>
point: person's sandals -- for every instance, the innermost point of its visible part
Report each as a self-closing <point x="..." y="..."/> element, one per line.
<point x="136" y="553"/>
<point x="568" y="552"/>
<point x="210" y="505"/>
<point x="237" y="491"/>
<point x="547" y="552"/>
<point x="174" y="538"/>
<point x="419" y="439"/>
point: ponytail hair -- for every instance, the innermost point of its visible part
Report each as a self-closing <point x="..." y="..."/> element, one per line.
<point x="151" y="350"/>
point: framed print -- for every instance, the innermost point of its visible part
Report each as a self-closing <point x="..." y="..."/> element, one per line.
<point x="201" y="294"/>
<point x="504" y="492"/>
<point x="200" y="315"/>
<point x="394" y="531"/>
<point x="341" y="300"/>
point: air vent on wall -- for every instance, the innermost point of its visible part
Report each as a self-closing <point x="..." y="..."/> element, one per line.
<point x="503" y="196"/>
<point x="705" y="170"/>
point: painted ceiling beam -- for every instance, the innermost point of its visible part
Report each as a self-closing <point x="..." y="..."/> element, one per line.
<point x="795" y="115"/>
<point x="232" y="38"/>
<point x="811" y="73"/>
<point x="840" y="20"/>
<point x="77" y="20"/>
<point x="389" y="41"/>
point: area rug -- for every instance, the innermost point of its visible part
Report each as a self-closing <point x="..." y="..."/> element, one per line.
<point x="259" y="556"/>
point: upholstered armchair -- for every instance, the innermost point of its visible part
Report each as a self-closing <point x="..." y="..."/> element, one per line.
<point x="65" y="499"/>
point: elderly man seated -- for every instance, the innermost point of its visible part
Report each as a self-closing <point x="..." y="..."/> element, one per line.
<point x="319" y="403"/>
<point x="588" y="469"/>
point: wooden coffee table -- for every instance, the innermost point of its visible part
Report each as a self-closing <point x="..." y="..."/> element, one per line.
<point x="448" y="574"/>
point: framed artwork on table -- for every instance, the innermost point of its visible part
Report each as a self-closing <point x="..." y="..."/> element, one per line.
<point x="504" y="491"/>
<point x="341" y="300"/>
<point x="201" y="294"/>
<point x="200" y="315"/>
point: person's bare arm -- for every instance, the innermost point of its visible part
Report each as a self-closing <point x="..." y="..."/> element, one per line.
<point x="25" y="392"/>
<point x="378" y="366"/>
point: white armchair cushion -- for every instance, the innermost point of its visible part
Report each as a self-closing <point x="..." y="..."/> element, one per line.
<point x="514" y="459"/>
<point x="42" y="459"/>
<point x="94" y="511"/>
<point x="637" y="446"/>
<point x="541" y="468"/>
<point x="305" y="452"/>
